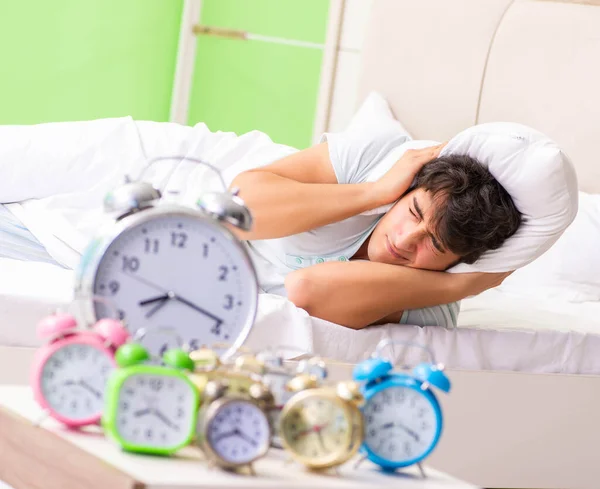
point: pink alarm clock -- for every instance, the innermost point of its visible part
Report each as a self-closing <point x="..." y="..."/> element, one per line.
<point x="69" y="372"/>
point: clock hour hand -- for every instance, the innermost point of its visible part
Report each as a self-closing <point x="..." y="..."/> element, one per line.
<point x="227" y="434"/>
<point x="162" y="300"/>
<point x="142" y="412"/>
<point x="152" y="300"/>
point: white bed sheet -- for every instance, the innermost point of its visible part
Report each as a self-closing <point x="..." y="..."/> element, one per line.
<point x="497" y="331"/>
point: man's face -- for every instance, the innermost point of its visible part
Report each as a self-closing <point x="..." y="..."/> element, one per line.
<point x="404" y="236"/>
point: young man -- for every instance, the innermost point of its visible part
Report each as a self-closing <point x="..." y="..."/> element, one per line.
<point x="318" y="239"/>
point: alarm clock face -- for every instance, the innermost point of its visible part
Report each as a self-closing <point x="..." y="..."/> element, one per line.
<point x="73" y="379"/>
<point x="155" y="411"/>
<point x="401" y="424"/>
<point x="317" y="429"/>
<point x="178" y="271"/>
<point x="238" y="432"/>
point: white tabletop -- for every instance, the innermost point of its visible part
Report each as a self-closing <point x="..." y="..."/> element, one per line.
<point x="185" y="470"/>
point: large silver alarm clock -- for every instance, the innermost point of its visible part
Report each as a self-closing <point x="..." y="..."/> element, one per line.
<point x="171" y="268"/>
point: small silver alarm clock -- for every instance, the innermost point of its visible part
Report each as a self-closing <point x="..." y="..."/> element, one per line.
<point x="172" y="267"/>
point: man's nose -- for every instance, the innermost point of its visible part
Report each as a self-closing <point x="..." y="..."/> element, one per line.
<point x="407" y="241"/>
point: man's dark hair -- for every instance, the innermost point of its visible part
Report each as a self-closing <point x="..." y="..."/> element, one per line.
<point x="473" y="213"/>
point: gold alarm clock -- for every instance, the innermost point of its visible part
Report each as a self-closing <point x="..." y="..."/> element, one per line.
<point x="321" y="427"/>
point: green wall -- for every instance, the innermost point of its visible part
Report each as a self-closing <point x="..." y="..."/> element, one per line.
<point x="245" y="85"/>
<point x="81" y="59"/>
<point x="66" y="60"/>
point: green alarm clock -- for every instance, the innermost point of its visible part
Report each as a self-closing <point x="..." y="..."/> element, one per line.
<point x="150" y="408"/>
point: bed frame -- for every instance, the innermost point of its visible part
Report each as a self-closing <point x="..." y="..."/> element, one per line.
<point x="445" y="65"/>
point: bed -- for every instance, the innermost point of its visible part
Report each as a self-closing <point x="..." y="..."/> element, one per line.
<point x="525" y="368"/>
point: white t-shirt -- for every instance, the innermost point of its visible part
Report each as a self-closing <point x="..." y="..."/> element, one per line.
<point x="357" y="157"/>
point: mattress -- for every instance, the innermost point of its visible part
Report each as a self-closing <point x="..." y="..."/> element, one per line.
<point x="496" y="330"/>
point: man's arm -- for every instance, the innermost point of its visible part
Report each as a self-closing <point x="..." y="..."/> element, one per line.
<point x="357" y="294"/>
<point x="300" y="192"/>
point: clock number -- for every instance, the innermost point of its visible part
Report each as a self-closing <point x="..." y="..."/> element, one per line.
<point x="194" y="344"/>
<point x="132" y="264"/>
<point x="114" y="286"/>
<point x="224" y="271"/>
<point x="178" y="239"/>
<point x="121" y="314"/>
<point x="387" y="399"/>
<point x="216" y="329"/>
<point x="400" y="396"/>
<point x="205" y="250"/>
<point x="151" y="245"/>
<point x="156" y="384"/>
<point x="229" y="302"/>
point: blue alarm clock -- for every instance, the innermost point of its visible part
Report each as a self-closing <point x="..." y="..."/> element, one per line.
<point x="402" y="416"/>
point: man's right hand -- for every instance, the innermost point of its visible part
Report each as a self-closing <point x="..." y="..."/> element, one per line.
<point x="394" y="184"/>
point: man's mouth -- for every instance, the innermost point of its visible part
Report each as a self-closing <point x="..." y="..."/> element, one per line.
<point x="392" y="251"/>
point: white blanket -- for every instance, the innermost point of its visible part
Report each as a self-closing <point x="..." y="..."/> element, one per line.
<point x="56" y="175"/>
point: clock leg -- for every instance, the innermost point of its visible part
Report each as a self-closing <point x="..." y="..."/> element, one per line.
<point x="422" y="470"/>
<point x="251" y="470"/>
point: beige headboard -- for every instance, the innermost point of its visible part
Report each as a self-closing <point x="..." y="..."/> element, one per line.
<point x="445" y="65"/>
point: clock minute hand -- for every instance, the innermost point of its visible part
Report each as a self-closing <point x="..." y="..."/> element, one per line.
<point x="88" y="387"/>
<point x="405" y="428"/>
<point x="175" y="296"/>
<point x="165" y="420"/>
<point x="198" y="308"/>
<point x="244" y="437"/>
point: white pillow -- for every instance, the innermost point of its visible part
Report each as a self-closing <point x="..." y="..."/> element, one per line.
<point x="539" y="177"/>
<point x="570" y="270"/>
